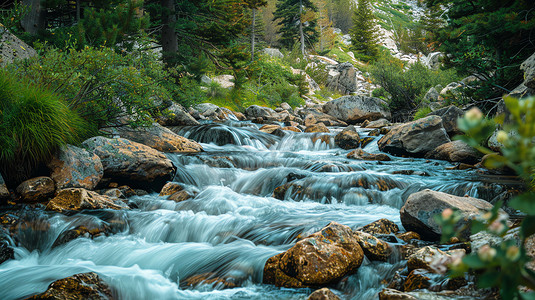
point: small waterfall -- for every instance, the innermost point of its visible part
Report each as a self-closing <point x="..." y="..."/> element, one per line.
<point x="254" y="194"/>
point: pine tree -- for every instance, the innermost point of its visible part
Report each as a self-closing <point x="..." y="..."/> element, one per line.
<point x="364" y="39"/>
<point x="254" y="5"/>
<point x="294" y="28"/>
<point x="326" y="31"/>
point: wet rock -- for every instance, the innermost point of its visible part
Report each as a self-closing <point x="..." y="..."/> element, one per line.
<point x="240" y="116"/>
<point x="420" y="208"/>
<point x="384" y="130"/>
<point x="73" y="167"/>
<point x="87" y="286"/>
<point x="176" y="192"/>
<point x="449" y="117"/>
<point x="317" y="128"/>
<point x="37" y="189"/>
<point x="211" y="279"/>
<point x="114" y="193"/>
<point x="375" y="132"/>
<point x="291" y="128"/>
<point x="269" y="128"/>
<point x="456" y="151"/>
<point x="323" y="294"/>
<point x="417" y="280"/>
<point x="321" y="258"/>
<point x="391" y="294"/>
<point x="378" y="123"/>
<point x="176" y="115"/>
<point x="347" y="139"/>
<point x="159" y="138"/>
<point x="431" y="259"/>
<point x="89" y="231"/>
<point x="355" y="109"/>
<point x="6" y="251"/>
<point x="361" y="154"/>
<point x="365" y="141"/>
<point x="408" y="236"/>
<point x="381" y="226"/>
<point x="129" y="161"/>
<point x="324" y="138"/>
<point x="374" y="248"/>
<point x="4" y="192"/>
<point x="255" y="111"/>
<point x="415" y="138"/>
<point x="78" y="199"/>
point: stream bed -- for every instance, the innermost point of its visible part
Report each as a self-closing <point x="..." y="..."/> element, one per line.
<point x="233" y="224"/>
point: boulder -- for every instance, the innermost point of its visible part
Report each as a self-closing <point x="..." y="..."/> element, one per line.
<point x="356" y="109"/>
<point x="176" y="192"/>
<point x="323" y="294"/>
<point x="159" y="138"/>
<point x="416" y="280"/>
<point x="420" y="208"/>
<point x="255" y="111"/>
<point x="428" y="258"/>
<point x="79" y="286"/>
<point x="431" y="95"/>
<point x="415" y="138"/>
<point x="37" y="189"/>
<point x="4" y="192"/>
<point x="273" y="52"/>
<point x="269" y="128"/>
<point x="12" y="48"/>
<point x="363" y="155"/>
<point x="286" y="107"/>
<point x="378" y="123"/>
<point x="225" y="81"/>
<point x="408" y="236"/>
<point x="449" y="117"/>
<point x="381" y="226"/>
<point x="528" y="66"/>
<point x="347" y="139"/>
<point x="320" y="127"/>
<point x="73" y="167"/>
<point x="391" y="294"/>
<point x="342" y="78"/>
<point x="76" y="199"/>
<point x="333" y="250"/>
<point x="125" y="160"/>
<point x="374" y="248"/>
<point x="176" y="115"/>
<point x="456" y="151"/>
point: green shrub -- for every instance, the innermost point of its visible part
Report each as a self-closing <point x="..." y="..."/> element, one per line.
<point x="101" y="84"/>
<point x="502" y="265"/>
<point x="34" y="123"/>
<point x="422" y="112"/>
<point x="407" y="86"/>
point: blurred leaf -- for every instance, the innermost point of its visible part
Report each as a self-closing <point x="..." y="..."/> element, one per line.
<point x="488" y="279"/>
<point x="495" y="161"/>
<point x="528" y="226"/>
<point x="524" y="203"/>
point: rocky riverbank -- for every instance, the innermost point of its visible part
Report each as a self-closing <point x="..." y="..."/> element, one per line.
<point x="108" y="184"/>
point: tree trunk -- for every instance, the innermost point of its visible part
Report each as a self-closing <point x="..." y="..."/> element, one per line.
<point x="77" y="11"/>
<point x="302" y="35"/>
<point x="252" y="34"/>
<point x="169" y="39"/>
<point x="35" y="20"/>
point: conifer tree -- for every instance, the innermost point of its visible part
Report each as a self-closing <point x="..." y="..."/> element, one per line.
<point x="254" y="5"/>
<point x="364" y="39"/>
<point x="294" y="28"/>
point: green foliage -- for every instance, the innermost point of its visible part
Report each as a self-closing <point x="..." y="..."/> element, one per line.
<point x="341" y="14"/>
<point x="34" y="123"/>
<point x="407" y="86"/>
<point x="489" y="38"/>
<point x="112" y="25"/>
<point x="102" y="85"/>
<point x="364" y="38"/>
<point x="288" y="16"/>
<point x="504" y="265"/>
<point x="11" y="19"/>
<point x="422" y="112"/>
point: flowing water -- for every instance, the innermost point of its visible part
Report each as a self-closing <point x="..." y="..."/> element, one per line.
<point x="233" y="224"/>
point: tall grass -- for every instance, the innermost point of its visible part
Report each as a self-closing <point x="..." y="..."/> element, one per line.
<point x="34" y="124"/>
